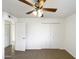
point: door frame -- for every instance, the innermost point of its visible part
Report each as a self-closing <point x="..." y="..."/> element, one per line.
<point x="12" y="34"/>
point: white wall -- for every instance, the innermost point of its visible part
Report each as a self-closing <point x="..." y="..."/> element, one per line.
<point x="70" y="35"/>
<point x="41" y="33"/>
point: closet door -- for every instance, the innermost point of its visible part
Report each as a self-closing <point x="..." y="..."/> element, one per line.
<point x="20" y="37"/>
<point x="38" y="36"/>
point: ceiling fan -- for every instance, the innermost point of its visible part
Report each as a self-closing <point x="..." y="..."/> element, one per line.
<point x="38" y="7"/>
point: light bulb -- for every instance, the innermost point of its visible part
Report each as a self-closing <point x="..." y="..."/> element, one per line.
<point x="34" y="13"/>
<point x="39" y="13"/>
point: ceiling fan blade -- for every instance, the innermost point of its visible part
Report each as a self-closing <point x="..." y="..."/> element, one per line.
<point x="41" y="0"/>
<point x="26" y="2"/>
<point x="41" y="3"/>
<point x="29" y="12"/>
<point x="50" y="9"/>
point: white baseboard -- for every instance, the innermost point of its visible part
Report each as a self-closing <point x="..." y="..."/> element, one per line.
<point x="43" y="48"/>
<point x="70" y="53"/>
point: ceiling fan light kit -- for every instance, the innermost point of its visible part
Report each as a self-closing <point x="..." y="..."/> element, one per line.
<point x="38" y="6"/>
<point x="38" y="13"/>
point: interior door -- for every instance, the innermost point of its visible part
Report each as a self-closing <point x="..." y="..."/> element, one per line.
<point x="20" y="37"/>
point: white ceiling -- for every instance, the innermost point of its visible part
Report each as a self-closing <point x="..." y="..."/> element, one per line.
<point x="18" y="9"/>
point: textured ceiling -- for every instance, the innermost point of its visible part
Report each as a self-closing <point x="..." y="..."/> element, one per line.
<point x="18" y="9"/>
